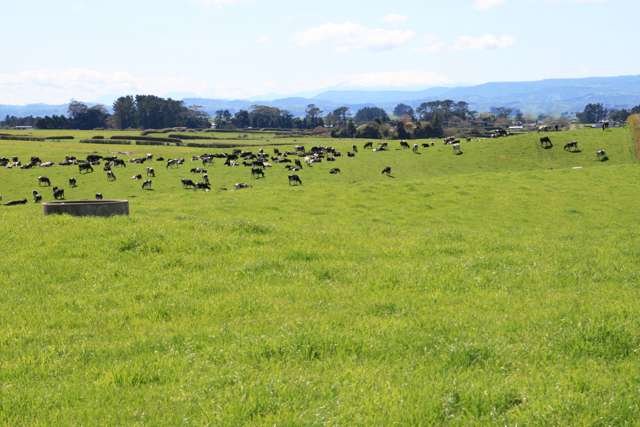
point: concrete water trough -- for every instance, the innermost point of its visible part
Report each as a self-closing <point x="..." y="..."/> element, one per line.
<point x="102" y="208"/>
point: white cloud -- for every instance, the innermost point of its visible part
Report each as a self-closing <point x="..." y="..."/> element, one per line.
<point x="432" y="44"/>
<point x="484" y="42"/>
<point x="395" y="18"/>
<point x="348" y="36"/>
<point x="487" y="4"/>
<point x="58" y="86"/>
<point x="263" y="40"/>
<point x="217" y="3"/>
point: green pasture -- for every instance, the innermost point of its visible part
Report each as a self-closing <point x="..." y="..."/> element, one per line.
<point x="500" y="287"/>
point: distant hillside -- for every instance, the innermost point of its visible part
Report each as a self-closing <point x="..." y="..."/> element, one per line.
<point x="545" y="96"/>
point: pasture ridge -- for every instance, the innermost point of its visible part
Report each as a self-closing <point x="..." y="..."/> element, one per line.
<point x="497" y="287"/>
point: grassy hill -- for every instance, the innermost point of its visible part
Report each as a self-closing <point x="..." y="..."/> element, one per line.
<point x="496" y="287"/>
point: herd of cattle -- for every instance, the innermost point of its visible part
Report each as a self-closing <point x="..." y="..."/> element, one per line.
<point x="258" y="162"/>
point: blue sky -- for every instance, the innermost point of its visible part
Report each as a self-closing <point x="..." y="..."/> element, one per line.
<point x="93" y="50"/>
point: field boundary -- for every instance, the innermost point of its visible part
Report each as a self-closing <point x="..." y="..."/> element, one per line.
<point x="634" y="126"/>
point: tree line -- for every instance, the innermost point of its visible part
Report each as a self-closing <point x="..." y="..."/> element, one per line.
<point x="140" y="111"/>
<point x="427" y="120"/>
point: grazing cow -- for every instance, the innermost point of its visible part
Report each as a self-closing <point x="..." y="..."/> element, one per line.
<point x="294" y="180"/>
<point x="43" y="181"/>
<point x="137" y="177"/>
<point x="111" y="177"/>
<point x="404" y="145"/>
<point x="203" y="186"/>
<point x="172" y="163"/>
<point x="73" y="183"/>
<point x="151" y="173"/>
<point x="85" y="168"/>
<point x="368" y="146"/>
<point x="351" y="154"/>
<point x="99" y="196"/>
<point x="545" y="142"/>
<point x="147" y="185"/>
<point x="16" y="202"/>
<point x="37" y="197"/>
<point x="386" y="171"/>
<point x="188" y="184"/>
<point x="426" y="145"/>
<point x="602" y="155"/>
<point x="335" y="171"/>
<point x="119" y="163"/>
<point x="572" y="147"/>
<point x="457" y="149"/>
<point x="241" y="186"/>
<point x="415" y="148"/>
<point x="198" y="170"/>
<point x="58" y="193"/>
<point x="257" y="173"/>
<point x="354" y="148"/>
<point x="205" y="178"/>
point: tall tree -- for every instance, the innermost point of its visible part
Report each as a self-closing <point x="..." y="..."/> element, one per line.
<point x="593" y="113"/>
<point x="404" y="110"/>
<point x="125" y="112"/>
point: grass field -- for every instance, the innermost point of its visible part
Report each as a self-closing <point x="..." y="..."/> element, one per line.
<point x="497" y="287"/>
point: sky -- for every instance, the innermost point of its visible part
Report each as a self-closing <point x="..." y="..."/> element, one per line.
<point x="95" y="50"/>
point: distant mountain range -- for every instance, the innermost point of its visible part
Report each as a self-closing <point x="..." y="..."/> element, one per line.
<point x="545" y="96"/>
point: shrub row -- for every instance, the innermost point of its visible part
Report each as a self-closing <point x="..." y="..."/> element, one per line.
<point x="146" y="138"/>
<point x="146" y="142"/>
<point x="106" y="141"/>
<point x="20" y="138"/>
<point x="182" y="136"/>
<point x="50" y="138"/>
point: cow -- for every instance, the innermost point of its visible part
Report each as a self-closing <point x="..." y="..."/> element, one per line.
<point x="415" y="148"/>
<point x="111" y="177"/>
<point x="44" y="181"/>
<point x="99" y="196"/>
<point x="137" y="177"/>
<point x="203" y="186"/>
<point x="147" y="185"/>
<point x="294" y="180"/>
<point x="37" y="197"/>
<point x="404" y="145"/>
<point x="257" y="173"/>
<point x="572" y="147"/>
<point x="241" y="186"/>
<point x="335" y="171"/>
<point x="85" y="168"/>
<point x="119" y="163"/>
<point x="368" y="146"/>
<point x="188" y="184"/>
<point x="205" y="178"/>
<point x="545" y="142"/>
<point x="351" y="154"/>
<point x="58" y="193"/>
<point x="602" y="155"/>
<point x="73" y="183"/>
<point x="354" y="148"/>
<point x="386" y="171"/>
<point x="151" y="173"/>
<point x="457" y="149"/>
